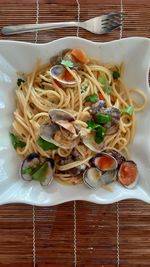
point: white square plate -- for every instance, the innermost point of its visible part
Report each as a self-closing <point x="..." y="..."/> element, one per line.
<point x="22" y="57"/>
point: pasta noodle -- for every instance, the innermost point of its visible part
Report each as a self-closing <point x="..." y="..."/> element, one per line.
<point x="40" y="93"/>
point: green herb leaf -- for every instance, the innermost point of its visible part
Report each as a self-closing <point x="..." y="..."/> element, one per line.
<point x="45" y="145"/>
<point x="40" y="174"/>
<point x="106" y="87"/>
<point x="92" y="98"/>
<point x="16" y="141"/>
<point x="28" y="170"/>
<point x="129" y="110"/>
<point x="20" y="81"/>
<point x="100" y="134"/>
<point x="100" y="131"/>
<point x="116" y="74"/>
<point x="102" y="118"/>
<point x="67" y="63"/>
<point x="92" y="125"/>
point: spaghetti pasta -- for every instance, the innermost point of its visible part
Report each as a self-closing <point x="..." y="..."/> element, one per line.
<point x="40" y="92"/>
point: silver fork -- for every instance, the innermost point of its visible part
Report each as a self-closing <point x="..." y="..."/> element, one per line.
<point x="98" y="25"/>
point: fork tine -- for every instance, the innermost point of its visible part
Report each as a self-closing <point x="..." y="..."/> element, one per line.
<point x="112" y="21"/>
<point x="112" y="28"/>
<point x="113" y="16"/>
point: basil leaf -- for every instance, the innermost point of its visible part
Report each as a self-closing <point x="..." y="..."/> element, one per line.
<point x="92" y="98"/>
<point x="116" y="74"/>
<point x="40" y="174"/>
<point x="45" y="145"/>
<point x="67" y="63"/>
<point x="16" y="141"/>
<point x="20" y="81"/>
<point x="102" y="118"/>
<point x="100" y="134"/>
<point x="129" y="110"/>
<point x="106" y="87"/>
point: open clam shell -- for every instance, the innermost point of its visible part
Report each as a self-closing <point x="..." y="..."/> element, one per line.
<point x="31" y="161"/>
<point x="88" y="140"/>
<point x="47" y="132"/>
<point x="64" y="119"/>
<point x="49" y="175"/>
<point x="59" y="73"/>
<point x="105" y="162"/>
<point x="60" y="114"/>
<point x="116" y="154"/>
<point x="92" y="178"/>
<point x="128" y="174"/>
<point x="97" y="107"/>
<point x="109" y="177"/>
<point x="51" y="133"/>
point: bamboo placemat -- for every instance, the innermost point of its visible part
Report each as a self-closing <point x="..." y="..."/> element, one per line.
<point x="103" y="233"/>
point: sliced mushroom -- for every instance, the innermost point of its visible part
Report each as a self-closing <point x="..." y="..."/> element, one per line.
<point x="28" y="165"/>
<point x="105" y="162"/>
<point x="62" y="75"/>
<point x="92" y="178"/>
<point x="128" y="174"/>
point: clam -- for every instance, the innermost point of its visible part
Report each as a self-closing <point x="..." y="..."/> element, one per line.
<point x="105" y="162"/>
<point x="68" y="56"/>
<point x="112" y="129"/>
<point x="89" y="141"/>
<point x="128" y="174"/>
<point x="63" y="118"/>
<point x="48" y="131"/>
<point x="113" y="112"/>
<point x="96" y="107"/>
<point x="52" y="133"/>
<point x="92" y="178"/>
<point x="60" y="115"/>
<point x="109" y="177"/>
<point x="116" y="154"/>
<point x="30" y="162"/>
<point x="62" y="75"/>
<point x="45" y="173"/>
<point x="34" y="168"/>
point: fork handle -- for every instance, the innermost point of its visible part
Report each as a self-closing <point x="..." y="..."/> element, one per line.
<point x="7" y="30"/>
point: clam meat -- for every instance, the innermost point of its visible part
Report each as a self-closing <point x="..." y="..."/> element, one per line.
<point x="128" y="174"/>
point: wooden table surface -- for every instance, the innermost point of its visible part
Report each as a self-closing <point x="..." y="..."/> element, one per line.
<point x="96" y="224"/>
